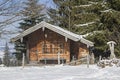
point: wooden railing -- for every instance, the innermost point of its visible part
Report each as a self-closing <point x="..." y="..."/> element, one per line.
<point x="38" y="55"/>
<point x="52" y="56"/>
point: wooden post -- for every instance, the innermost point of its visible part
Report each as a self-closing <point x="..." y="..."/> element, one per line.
<point x="27" y="52"/>
<point x="23" y="57"/>
<point x="58" y="57"/>
<point x="66" y="39"/>
<point x="100" y="58"/>
<point x="45" y="61"/>
<point x="23" y="60"/>
<point x="92" y="58"/>
<point x="88" y="61"/>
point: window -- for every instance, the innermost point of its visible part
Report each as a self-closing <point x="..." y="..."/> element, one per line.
<point x="46" y="48"/>
<point x="54" y="47"/>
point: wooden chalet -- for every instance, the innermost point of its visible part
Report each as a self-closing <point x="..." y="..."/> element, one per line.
<point x="47" y="43"/>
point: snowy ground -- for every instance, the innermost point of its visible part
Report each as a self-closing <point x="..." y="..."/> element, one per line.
<point x="60" y="73"/>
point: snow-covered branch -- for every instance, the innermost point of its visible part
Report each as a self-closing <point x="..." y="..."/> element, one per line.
<point x="86" y="24"/>
<point x="93" y="2"/>
<point x="91" y="33"/>
<point x="107" y="10"/>
<point x="83" y="6"/>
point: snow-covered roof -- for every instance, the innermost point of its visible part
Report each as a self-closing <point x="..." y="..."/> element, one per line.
<point x="59" y="30"/>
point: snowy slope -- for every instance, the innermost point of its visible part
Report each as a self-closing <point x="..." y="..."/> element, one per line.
<point x="60" y="73"/>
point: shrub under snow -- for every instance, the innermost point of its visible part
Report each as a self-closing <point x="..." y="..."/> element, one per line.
<point x="110" y="63"/>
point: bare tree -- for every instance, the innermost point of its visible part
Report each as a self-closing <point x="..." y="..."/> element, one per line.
<point x="6" y="58"/>
<point x="12" y="11"/>
<point x="9" y="12"/>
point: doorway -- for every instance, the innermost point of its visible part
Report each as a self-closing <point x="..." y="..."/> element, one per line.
<point x="74" y="50"/>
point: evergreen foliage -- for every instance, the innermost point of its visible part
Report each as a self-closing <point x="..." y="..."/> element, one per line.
<point x="32" y="14"/>
<point x="98" y="18"/>
<point x="20" y="48"/>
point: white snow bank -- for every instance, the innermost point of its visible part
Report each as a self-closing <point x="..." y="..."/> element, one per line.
<point x="60" y="73"/>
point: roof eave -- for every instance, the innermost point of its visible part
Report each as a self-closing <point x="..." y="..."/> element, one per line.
<point x="87" y="42"/>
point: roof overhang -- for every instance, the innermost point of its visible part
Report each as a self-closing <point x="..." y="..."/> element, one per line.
<point x="59" y="30"/>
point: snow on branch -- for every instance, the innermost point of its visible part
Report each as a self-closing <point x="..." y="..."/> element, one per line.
<point x="86" y="24"/>
<point x="107" y="10"/>
<point x="93" y="2"/>
<point x="83" y="6"/>
<point x="90" y="4"/>
<point x="91" y="33"/>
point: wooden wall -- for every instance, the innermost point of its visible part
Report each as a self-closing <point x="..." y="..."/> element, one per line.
<point x="37" y="39"/>
<point x="83" y="50"/>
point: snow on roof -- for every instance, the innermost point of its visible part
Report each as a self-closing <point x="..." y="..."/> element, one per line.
<point x="59" y="30"/>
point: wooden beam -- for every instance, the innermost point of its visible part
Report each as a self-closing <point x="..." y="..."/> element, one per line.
<point x="43" y="28"/>
<point x="66" y="39"/>
<point x="21" y="39"/>
<point x="27" y="52"/>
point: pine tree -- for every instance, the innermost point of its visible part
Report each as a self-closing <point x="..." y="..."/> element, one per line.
<point x="97" y="20"/>
<point x="62" y="14"/>
<point x="32" y="14"/>
<point x="6" y="58"/>
<point x="105" y="26"/>
<point x="80" y="16"/>
<point x="20" y="49"/>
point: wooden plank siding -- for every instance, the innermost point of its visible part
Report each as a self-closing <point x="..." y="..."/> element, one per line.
<point x="52" y="40"/>
<point x="83" y="50"/>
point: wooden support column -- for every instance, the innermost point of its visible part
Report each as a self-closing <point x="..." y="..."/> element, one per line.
<point x="23" y="57"/>
<point x="43" y="28"/>
<point x="58" y="58"/>
<point x="66" y="39"/>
